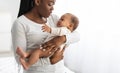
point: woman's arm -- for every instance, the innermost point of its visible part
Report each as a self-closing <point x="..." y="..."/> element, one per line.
<point x="18" y="38"/>
<point x="59" y="40"/>
<point x="57" y="56"/>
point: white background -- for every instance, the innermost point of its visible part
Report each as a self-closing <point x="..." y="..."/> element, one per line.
<point x="99" y="48"/>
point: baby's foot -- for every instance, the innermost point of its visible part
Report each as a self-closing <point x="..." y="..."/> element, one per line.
<point x="24" y="63"/>
<point x="21" y="53"/>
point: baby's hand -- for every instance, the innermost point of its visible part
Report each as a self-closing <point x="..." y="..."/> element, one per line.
<point x="46" y="28"/>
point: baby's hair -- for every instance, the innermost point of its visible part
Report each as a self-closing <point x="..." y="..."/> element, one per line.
<point x="74" y="21"/>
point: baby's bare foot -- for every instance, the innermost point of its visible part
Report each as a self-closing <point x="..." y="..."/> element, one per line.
<point x="21" y="53"/>
<point x="24" y="63"/>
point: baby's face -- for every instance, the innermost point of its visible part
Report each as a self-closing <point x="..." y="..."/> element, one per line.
<point x="64" y="21"/>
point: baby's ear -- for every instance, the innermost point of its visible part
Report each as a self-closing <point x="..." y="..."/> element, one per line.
<point x="71" y="25"/>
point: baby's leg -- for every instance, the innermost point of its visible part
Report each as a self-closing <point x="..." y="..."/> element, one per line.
<point x="22" y="53"/>
<point x="34" y="57"/>
<point x="24" y="63"/>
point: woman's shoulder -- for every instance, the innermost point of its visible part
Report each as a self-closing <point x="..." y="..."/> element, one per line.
<point x="19" y="19"/>
<point x="23" y="20"/>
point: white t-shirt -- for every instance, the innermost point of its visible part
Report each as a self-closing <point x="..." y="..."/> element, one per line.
<point x="29" y="35"/>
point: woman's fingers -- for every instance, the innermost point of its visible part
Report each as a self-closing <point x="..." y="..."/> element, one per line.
<point x="50" y="46"/>
<point x="57" y="41"/>
<point x="47" y="44"/>
<point x="52" y="49"/>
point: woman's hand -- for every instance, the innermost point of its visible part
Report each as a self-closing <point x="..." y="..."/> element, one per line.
<point x="54" y="43"/>
<point x="47" y="52"/>
<point x="57" y="56"/>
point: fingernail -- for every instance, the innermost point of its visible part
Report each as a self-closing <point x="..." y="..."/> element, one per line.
<point x="50" y="52"/>
<point x="41" y="47"/>
<point x="44" y="49"/>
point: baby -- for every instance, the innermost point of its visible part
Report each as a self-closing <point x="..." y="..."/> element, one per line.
<point x="66" y="24"/>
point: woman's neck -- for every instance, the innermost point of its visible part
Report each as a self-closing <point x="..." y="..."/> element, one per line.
<point x="32" y="15"/>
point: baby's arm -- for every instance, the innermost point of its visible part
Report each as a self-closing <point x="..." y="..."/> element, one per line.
<point x="58" y="31"/>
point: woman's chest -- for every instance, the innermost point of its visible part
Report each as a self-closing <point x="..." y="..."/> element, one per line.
<point x="36" y="35"/>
